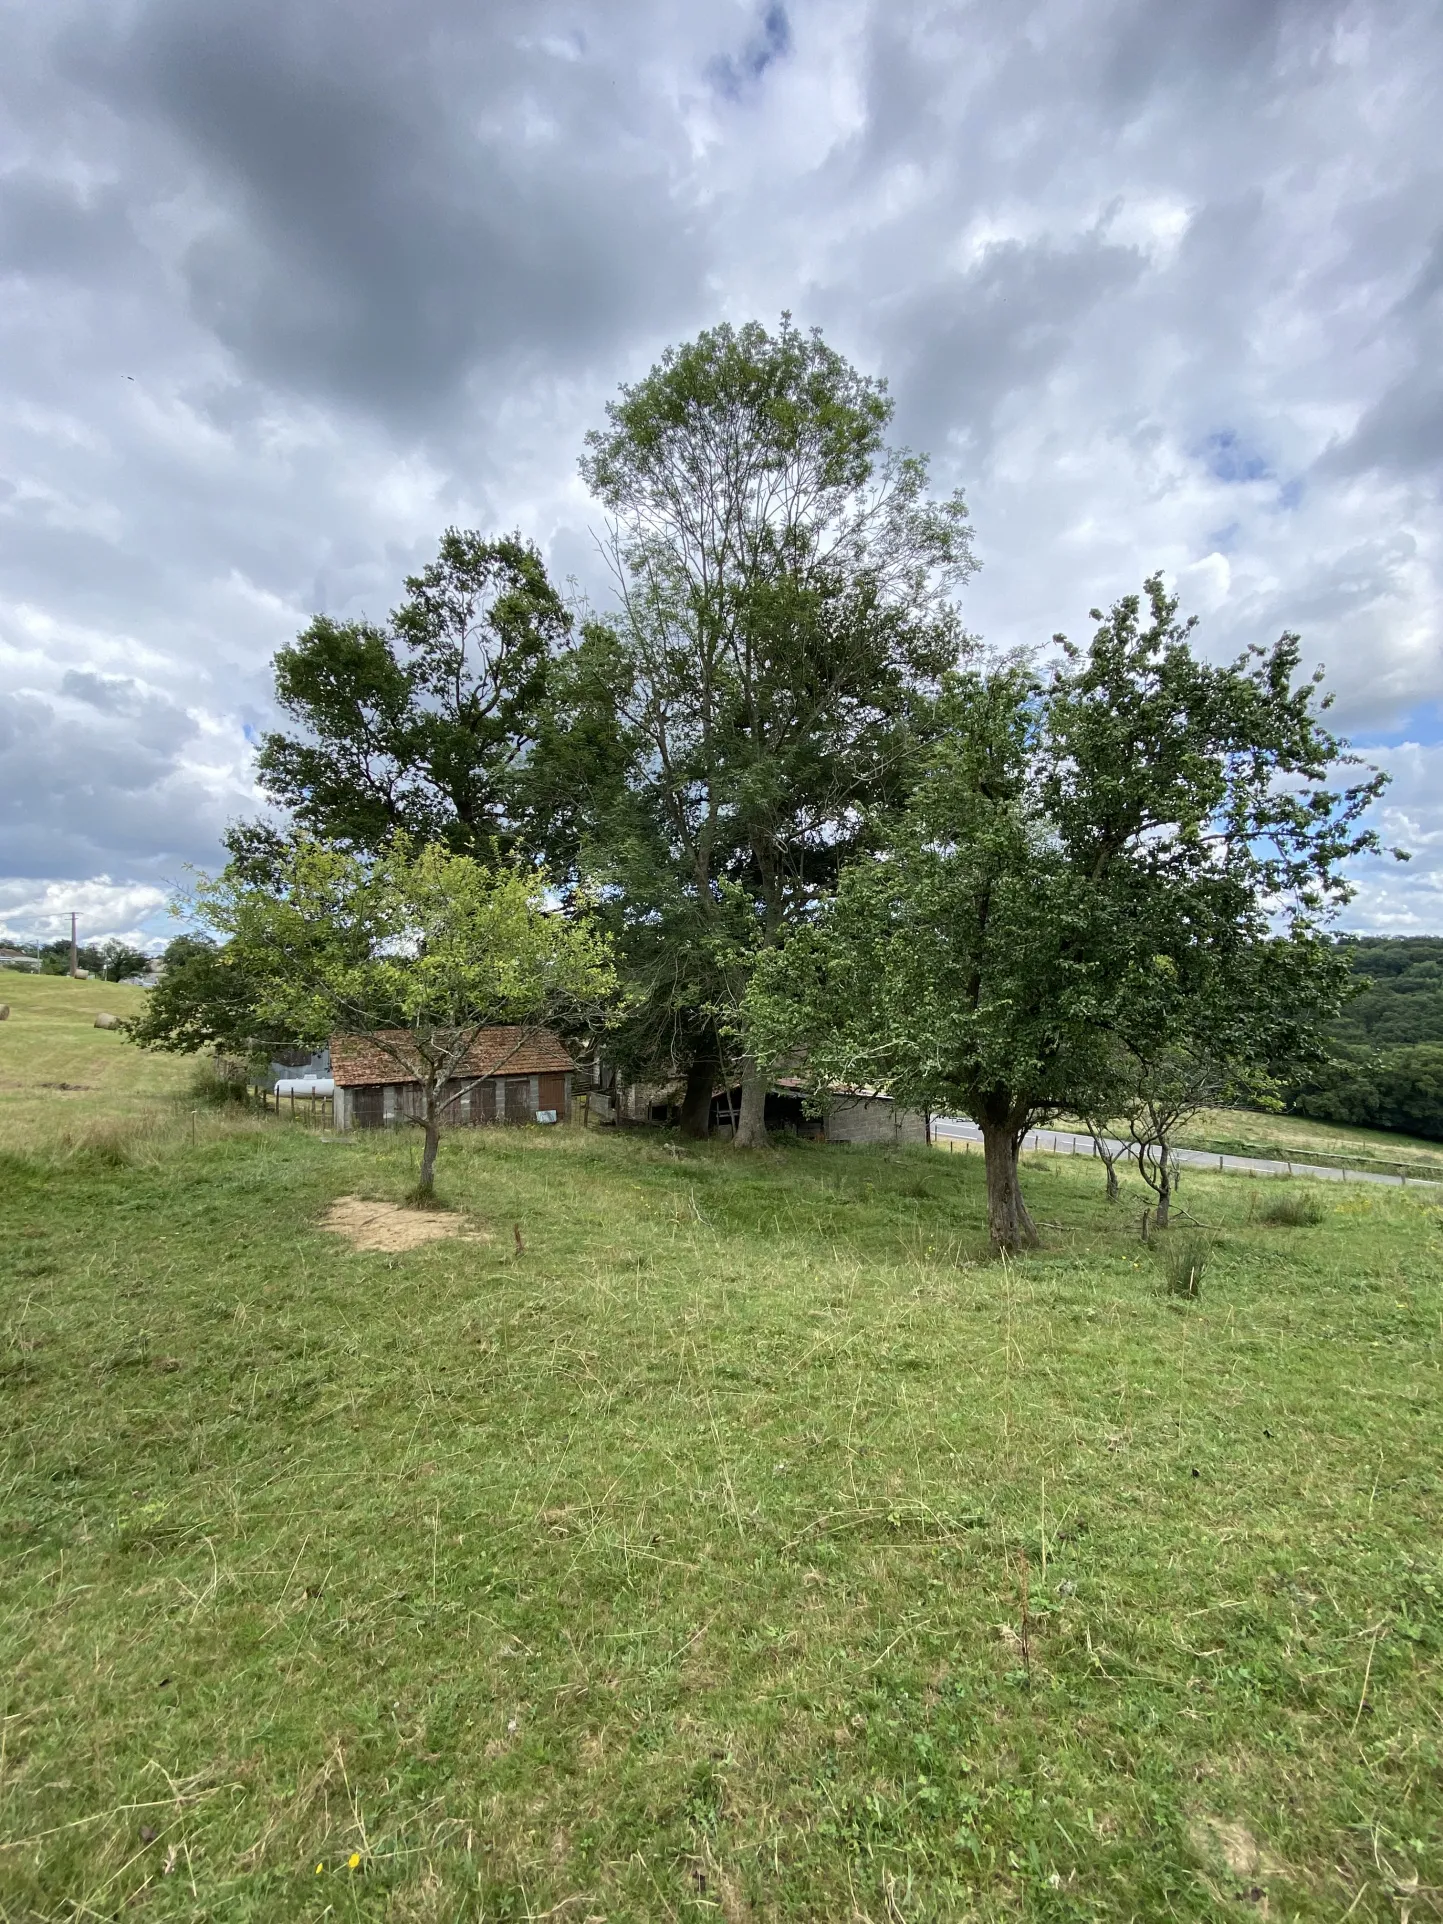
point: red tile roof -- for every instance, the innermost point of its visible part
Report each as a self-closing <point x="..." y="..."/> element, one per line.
<point x="359" y="1059"/>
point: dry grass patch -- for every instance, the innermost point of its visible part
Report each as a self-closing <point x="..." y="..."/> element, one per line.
<point x="388" y="1227"/>
<point x="1236" y="1845"/>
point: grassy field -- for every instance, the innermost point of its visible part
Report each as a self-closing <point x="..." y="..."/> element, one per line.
<point x="704" y="1536"/>
<point x="1247" y="1132"/>
<point x="60" y="1076"/>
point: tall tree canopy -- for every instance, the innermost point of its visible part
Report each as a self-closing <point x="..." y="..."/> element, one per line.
<point x="1130" y="857"/>
<point x="425" y="723"/>
<point x="785" y="621"/>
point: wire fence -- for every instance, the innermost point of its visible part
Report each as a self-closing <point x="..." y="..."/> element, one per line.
<point x="317" y="1112"/>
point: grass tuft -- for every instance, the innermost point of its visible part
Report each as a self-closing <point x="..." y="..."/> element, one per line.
<point x="1182" y="1256"/>
<point x="418" y="1198"/>
<point x="1299" y="1211"/>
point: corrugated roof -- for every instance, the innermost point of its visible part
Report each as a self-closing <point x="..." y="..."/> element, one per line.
<point x="357" y="1060"/>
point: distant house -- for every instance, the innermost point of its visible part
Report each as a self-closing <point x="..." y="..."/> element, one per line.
<point x="509" y="1075"/>
<point x="850" y="1115"/>
<point x="13" y="958"/>
<point x="856" y="1116"/>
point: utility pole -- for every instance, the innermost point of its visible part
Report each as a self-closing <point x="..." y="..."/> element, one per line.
<point x="74" y="959"/>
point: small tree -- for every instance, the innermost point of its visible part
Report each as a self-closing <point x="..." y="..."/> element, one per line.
<point x="1108" y="1150"/>
<point x="1168" y="1095"/>
<point x="418" y="949"/>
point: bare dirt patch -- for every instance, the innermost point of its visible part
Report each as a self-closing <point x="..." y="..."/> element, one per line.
<point x="1235" y="1843"/>
<point x="387" y="1226"/>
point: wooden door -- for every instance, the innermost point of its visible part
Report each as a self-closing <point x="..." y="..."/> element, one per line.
<point x="551" y="1094"/>
<point x="367" y="1106"/>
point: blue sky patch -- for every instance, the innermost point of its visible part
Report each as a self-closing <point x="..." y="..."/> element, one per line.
<point x="1423" y="725"/>
<point x="1230" y="459"/>
<point x="731" y="76"/>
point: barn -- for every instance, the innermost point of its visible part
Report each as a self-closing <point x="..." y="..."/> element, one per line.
<point x="509" y="1075"/>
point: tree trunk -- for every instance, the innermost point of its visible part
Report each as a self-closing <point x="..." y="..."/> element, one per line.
<point x="751" y="1129"/>
<point x="1008" y="1223"/>
<point x="1164" y="1190"/>
<point x="426" y="1181"/>
<point x="701" y="1079"/>
<point x="1105" y="1154"/>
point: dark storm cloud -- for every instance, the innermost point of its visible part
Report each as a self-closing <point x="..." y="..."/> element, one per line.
<point x="1402" y="433"/>
<point x="51" y="227"/>
<point x="399" y="198"/>
<point x="88" y="789"/>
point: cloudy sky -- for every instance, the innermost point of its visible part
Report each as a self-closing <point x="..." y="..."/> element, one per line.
<point x="287" y="286"/>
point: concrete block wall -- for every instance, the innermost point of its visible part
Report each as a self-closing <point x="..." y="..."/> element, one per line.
<point x="875" y="1119"/>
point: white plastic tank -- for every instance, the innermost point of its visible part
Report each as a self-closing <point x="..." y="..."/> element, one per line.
<point x="305" y="1086"/>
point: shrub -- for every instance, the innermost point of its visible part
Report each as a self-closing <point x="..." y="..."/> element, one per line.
<point x="111" y="1142"/>
<point x="219" y="1082"/>
<point x="1293" y="1212"/>
<point x="1182" y="1260"/>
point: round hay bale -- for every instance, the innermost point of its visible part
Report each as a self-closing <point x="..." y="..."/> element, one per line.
<point x="4" y="1011"/>
<point x="107" y="1022"/>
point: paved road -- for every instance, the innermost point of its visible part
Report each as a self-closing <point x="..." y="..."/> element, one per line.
<point x="1062" y="1142"/>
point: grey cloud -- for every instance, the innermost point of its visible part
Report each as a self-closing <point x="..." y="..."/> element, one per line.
<point x="981" y="336"/>
<point x="1401" y="432"/>
<point x="393" y="207"/>
<point x="48" y="227"/>
<point x="111" y="694"/>
<point x="82" y="795"/>
<point x="149" y="729"/>
<point x="733" y="74"/>
<point x="1205" y="44"/>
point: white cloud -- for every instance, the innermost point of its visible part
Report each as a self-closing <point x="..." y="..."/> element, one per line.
<point x="41" y="910"/>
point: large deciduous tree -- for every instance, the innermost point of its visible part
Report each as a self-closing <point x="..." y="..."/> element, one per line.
<point x="424" y="723"/>
<point x="1131" y="857"/>
<point x="785" y="618"/>
<point x="206" y="999"/>
<point x="418" y="948"/>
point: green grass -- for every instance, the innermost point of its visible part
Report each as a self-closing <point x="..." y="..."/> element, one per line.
<point x="61" y="1078"/>
<point x="675" y="1568"/>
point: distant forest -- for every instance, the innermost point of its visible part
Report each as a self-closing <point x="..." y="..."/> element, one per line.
<point x="1386" y="1067"/>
